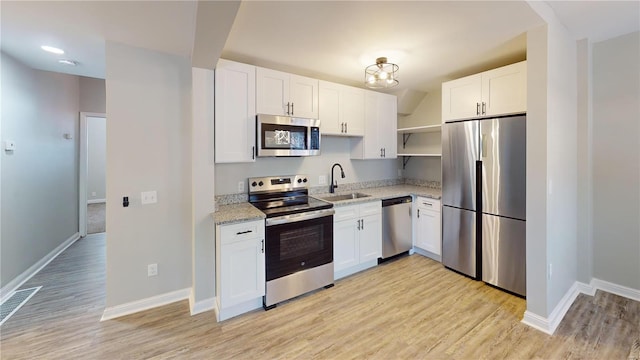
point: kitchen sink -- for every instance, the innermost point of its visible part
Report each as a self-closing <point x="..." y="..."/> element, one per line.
<point x="344" y="197"/>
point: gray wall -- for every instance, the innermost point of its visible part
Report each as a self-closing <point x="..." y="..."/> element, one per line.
<point x="616" y="160"/>
<point x="428" y="112"/>
<point x="96" y="158"/>
<point x="92" y="95"/>
<point x="40" y="178"/>
<point x="148" y="148"/>
<point x="334" y="150"/>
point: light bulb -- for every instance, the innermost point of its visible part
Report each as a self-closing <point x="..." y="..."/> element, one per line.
<point x="383" y="75"/>
<point x="390" y="80"/>
<point x="52" y="49"/>
<point x="371" y="79"/>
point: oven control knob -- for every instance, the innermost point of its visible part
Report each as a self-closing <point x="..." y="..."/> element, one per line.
<point x="299" y="181"/>
<point x="304" y="180"/>
<point x="260" y="183"/>
<point x="254" y="184"/>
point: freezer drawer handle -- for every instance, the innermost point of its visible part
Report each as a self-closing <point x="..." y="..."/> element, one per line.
<point x="427" y="204"/>
<point x="244" y="232"/>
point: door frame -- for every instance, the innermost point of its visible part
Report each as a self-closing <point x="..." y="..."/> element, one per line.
<point x="84" y="170"/>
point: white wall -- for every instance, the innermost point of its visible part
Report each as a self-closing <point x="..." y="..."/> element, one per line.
<point x="203" y="170"/>
<point x="616" y="160"/>
<point x="551" y="163"/>
<point x="148" y="148"/>
<point x="96" y="158"/>
<point x="40" y="178"/>
<point x="334" y="150"/>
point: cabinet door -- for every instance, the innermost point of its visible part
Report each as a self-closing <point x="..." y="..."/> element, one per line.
<point x="242" y="271"/>
<point x="272" y="92"/>
<point x="235" y="112"/>
<point x="428" y="234"/>
<point x="345" y="244"/>
<point x="370" y="238"/>
<point x="388" y="125"/>
<point x="352" y="110"/>
<point x="504" y="90"/>
<point x="461" y="98"/>
<point x="303" y="96"/>
<point x="329" y="111"/>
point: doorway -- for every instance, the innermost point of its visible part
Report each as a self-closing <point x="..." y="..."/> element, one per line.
<point x="92" y="189"/>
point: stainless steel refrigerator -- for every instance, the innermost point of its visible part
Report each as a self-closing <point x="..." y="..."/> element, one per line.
<point x="484" y="200"/>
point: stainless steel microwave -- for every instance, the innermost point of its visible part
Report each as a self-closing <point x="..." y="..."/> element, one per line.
<point x="287" y="136"/>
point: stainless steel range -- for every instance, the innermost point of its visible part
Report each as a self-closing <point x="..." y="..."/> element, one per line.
<point x="298" y="239"/>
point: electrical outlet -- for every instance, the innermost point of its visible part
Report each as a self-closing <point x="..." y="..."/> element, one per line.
<point x="152" y="269"/>
<point x="240" y="186"/>
<point x="399" y="173"/>
<point x="322" y="180"/>
<point x="93" y="193"/>
<point x="149" y="197"/>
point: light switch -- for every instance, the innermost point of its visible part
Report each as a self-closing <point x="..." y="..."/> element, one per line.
<point x="149" y="197"/>
<point x="9" y="145"/>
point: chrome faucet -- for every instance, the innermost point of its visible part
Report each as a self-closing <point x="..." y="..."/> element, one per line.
<point x="333" y="186"/>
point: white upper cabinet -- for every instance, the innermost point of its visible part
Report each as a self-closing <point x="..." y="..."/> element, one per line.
<point x="380" y="140"/>
<point x="235" y="112"/>
<point x="499" y="91"/>
<point x="280" y="93"/>
<point x="341" y="109"/>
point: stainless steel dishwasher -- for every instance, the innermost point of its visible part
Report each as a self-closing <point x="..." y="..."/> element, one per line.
<point x="396" y="226"/>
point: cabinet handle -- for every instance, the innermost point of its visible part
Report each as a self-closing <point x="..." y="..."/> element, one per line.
<point x="346" y="129"/>
<point x="427" y="204"/>
<point x="291" y="108"/>
<point x="380" y="152"/>
<point x="253" y="153"/>
<point x="288" y="109"/>
<point x="384" y="152"/>
<point x="263" y="246"/>
<point x="362" y="221"/>
<point x="418" y="213"/>
<point x="477" y="108"/>
<point x="342" y="127"/>
<point x="244" y="232"/>
<point x="358" y="224"/>
<point x="484" y="108"/>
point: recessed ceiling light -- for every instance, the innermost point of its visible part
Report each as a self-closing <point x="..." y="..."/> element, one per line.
<point x="68" y="62"/>
<point x="52" y="49"/>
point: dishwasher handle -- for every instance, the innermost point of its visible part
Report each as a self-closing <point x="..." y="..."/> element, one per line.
<point x="396" y="201"/>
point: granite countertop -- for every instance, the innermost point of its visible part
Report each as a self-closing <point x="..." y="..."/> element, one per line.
<point x="233" y="213"/>
<point x="384" y="192"/>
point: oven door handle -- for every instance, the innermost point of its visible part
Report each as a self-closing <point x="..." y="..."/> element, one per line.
<point x="299" y="217"/>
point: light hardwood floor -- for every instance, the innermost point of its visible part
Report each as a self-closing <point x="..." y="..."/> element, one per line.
<point x="411" y="308"/>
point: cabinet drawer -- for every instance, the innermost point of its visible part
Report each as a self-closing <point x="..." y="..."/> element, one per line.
<point x="371" y="208"/>
<point x="241" y="231"/>
<point x="428" y="203"/>
<point x="345" y="212"/>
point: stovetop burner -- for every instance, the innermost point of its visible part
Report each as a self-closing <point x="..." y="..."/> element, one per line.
<point x="283" y="195"/>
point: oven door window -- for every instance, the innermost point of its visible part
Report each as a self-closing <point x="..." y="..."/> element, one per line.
<point x="291" y="137"/>
<point x="298" y="246"/>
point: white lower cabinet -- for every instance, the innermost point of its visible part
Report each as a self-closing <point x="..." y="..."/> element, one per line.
<point x="426" y="227"/>
<point x="240" y="267"/>
<point x="357" y="238"/>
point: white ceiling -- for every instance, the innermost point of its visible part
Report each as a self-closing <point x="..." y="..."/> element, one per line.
<point x="430" y="40"/>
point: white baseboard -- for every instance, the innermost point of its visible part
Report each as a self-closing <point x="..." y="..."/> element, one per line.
<point x="549" y="325"/>
<point x="629" y="293"/>
<point x="15" y="284"/>
<point x="96" y="201"/>
<point x="201" y="306"/>
<point x="145" y="304"/>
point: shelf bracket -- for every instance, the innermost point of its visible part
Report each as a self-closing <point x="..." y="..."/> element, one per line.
<point x="405" y="138"/>
<point x="405" y="160"/>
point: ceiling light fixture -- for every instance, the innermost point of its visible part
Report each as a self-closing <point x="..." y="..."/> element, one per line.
<point x="381" y="75"/>
<point x="52" y="49"/>
<point x="68" y="62"/>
